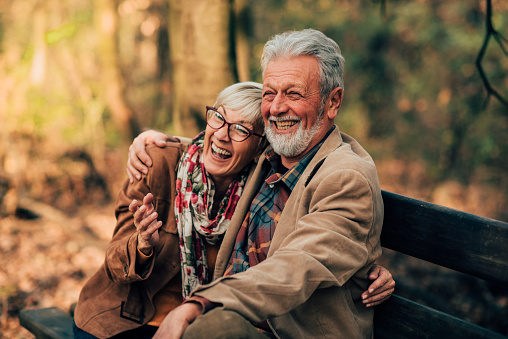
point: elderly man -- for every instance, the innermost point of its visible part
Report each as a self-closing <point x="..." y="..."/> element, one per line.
<point x="295" y="259"/>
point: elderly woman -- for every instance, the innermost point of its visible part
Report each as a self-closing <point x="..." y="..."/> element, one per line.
<point x="166" y="246"/>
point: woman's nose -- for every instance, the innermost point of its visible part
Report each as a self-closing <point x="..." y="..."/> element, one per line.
<point x="223" y="133"/>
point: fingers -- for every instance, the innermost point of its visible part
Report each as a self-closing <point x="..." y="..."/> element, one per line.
<point x="382" y="287"/>
<point x="148" y="233"/>
<point x="158" y="138"/>
<point x="377" y="299"/>
<point x="132" y="172"/>
<point x="148" y="199"/>
<point x="149" y="238"/>
<point x="142" y="220"/>
<point x="375" y="271"/>
<point x="137" y="159"/>
<point x="133" y="207"/>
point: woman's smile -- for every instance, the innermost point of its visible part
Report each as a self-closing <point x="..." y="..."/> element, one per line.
<point x="220" y="153"/>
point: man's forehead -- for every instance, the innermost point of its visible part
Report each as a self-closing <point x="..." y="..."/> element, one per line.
<point x="291" y="72"/>
<point x="291" y="84"/>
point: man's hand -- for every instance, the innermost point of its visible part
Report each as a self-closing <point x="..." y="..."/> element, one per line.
<point x="175" y="323"/>
<point x="382" y="287"/>
<point x="145" y="220"/>
<point x="139" y="161"/>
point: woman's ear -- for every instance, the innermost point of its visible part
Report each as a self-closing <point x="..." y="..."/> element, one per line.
<point x="333" y="103"/>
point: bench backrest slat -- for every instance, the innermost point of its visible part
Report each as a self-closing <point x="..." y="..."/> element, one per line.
<point x="400" y="318"/>
<point x="461" y="241"/>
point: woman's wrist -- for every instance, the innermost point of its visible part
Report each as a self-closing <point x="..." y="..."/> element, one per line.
<point x="144" y="248"/>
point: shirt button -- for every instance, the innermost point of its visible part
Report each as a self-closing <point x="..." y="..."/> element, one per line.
<point x="271" y="185"/>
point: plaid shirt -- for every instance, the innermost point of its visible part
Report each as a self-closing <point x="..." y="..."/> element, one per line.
<point x="256" y="233"/>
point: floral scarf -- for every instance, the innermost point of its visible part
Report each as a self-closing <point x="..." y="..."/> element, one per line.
<point x="193" y="204"/>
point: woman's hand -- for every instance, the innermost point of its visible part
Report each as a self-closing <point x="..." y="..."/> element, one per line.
<point x="382" y="287"/>
<point x="145" y="220"/>
<point x="139" y="161"/>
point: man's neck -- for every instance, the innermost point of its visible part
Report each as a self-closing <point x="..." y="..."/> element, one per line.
<point x="290" y="162"/>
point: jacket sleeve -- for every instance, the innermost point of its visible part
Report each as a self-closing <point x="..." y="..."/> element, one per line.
<point x="327" y="245"/>
<point x="123" y="262"/>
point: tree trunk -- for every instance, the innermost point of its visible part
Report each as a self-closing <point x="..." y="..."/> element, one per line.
<point x="106" y="20"/>
<point x="243" y="31"/>
<point x="202" y="59"/>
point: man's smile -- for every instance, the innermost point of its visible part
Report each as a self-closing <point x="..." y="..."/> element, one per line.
<point x="284" y="123"/>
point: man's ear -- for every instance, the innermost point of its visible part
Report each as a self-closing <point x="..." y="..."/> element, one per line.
<point x="333" y="103"/>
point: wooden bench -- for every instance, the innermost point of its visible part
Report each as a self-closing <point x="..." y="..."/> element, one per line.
<point x="457" y="240"/>
<point x="47" y="323"/>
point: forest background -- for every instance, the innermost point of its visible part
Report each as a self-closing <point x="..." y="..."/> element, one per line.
<point x="426" y="92"/>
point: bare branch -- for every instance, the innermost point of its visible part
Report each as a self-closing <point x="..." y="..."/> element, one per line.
<point x="490" y="32"/>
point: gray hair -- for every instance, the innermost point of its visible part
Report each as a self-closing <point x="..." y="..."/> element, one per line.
<point x="313" y="43"/>
<point x="245" y="97"/>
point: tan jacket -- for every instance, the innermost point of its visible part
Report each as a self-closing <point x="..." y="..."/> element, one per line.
<point x="123" y="283"/>
<point x="325" y="243"/>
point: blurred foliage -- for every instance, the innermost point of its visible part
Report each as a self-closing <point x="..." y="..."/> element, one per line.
<point x="412" y="92"/>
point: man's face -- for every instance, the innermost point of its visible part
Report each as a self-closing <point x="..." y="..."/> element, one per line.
<point x="291" y="105"/>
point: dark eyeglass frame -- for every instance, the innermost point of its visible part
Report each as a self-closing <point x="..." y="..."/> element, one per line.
<point x="251" y="132"/>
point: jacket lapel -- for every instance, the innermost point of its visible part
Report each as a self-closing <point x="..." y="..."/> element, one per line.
<point x="255" y="179"/>
<point x="287" y="222"/>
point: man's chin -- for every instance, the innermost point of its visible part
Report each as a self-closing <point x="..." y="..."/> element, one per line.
<point x="290" y="145"/>
<point x="286" y="145"/>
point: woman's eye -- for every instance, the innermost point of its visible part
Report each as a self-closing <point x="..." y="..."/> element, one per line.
<point x="219" y="116"/>
<point x="241" y="130"/>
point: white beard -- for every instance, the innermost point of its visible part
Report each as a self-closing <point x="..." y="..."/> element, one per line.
<point x="291" y="145"/>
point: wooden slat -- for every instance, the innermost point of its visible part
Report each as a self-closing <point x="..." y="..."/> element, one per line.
<point x="47" y="323"/>
<point x="400" y="318"/>
<point x="461" y="241"/>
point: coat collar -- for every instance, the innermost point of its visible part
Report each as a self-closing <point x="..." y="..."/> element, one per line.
<point x="332" y="142"/>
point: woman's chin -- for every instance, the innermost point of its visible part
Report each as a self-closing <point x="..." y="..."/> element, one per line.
<point x="216" y="167"/>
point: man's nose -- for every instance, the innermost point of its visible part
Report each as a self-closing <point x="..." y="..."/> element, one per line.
<point x="278" y="105"/>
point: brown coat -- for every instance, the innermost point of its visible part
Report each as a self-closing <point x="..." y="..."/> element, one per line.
<point x="325" y="243"/>
<point x="123" y="283"/>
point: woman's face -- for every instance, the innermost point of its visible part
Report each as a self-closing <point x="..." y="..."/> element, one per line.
<point x="223" y="157"/>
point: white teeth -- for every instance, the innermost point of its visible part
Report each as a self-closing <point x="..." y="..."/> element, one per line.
<point x="220" y="150"/>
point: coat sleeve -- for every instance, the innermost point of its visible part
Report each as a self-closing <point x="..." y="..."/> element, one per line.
<point x="328" y="245"/>
<point x="123" y="263"/>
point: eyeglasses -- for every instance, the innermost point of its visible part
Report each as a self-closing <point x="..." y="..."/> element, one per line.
<point x="236" y="132"/>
